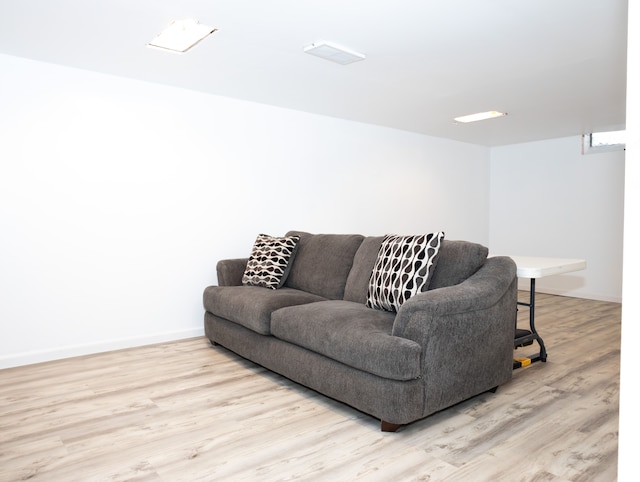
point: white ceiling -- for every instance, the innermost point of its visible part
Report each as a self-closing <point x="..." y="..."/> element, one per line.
<point x="558" y="67"/>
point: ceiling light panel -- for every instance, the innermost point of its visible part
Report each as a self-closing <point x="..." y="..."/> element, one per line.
<point x="479" y="116"/>
<point x="334" y="53"/>
<point x="181" y="35"/>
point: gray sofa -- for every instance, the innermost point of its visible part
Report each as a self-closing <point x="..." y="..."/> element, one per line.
<point x="443" y="346"/>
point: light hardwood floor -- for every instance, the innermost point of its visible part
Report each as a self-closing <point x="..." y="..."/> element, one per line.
<point x="186" y="411"/>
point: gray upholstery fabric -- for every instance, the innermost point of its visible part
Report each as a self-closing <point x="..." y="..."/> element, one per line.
<point x="470" y="325"/>
<point x="457" y="260"/>
<point x="230" y="271"/>
<point x="352" y="334"/>
<point x="251" y="306"/>
<point x="322" y="264"/>
<point x="389" y="400"/>
<point x="358" y="281"/>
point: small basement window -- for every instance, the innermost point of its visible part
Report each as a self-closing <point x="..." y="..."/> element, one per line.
<point x="604" y="141"/>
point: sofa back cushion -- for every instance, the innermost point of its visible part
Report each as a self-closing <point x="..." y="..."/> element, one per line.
<point x="457" y="261"/>
<point x="323" y="262"/>
<point x="363" y="262"/>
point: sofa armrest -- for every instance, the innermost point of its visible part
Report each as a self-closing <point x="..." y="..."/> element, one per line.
<point x="477" y="293"/>
<point x="466" y="332"/>
<point x="230" y="271"/>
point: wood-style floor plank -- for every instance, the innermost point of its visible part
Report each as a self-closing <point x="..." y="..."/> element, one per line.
<point x="186" y="411"/>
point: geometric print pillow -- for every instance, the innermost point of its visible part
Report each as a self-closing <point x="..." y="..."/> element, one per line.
<point x="270" y="261"/>
<point x="403" y="268"/>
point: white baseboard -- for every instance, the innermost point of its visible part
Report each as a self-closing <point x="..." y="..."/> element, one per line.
<point x="39" y="356"/>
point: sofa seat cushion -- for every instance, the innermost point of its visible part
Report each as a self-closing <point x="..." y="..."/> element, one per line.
<point x="352" y="334"/>
<point x="251" y="306"/>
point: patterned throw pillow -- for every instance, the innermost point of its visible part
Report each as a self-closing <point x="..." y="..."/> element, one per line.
<point x="270" y="261"/>
<point x="403" y="269"/>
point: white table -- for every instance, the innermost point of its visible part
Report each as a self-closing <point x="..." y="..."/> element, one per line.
<point x="538" y="267"/>
<point x="535" y="267"/>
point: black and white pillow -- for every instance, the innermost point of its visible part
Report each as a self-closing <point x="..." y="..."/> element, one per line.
<point x="403" y="268"/>
<point x="270" y="261"/>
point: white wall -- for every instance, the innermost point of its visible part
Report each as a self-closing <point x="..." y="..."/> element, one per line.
<point x="118" y="197"/>
<point x="629" y="399"/>
<point x="548" y="199"/>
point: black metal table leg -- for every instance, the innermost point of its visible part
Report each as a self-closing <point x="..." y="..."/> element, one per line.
<point x="527" y="337"/>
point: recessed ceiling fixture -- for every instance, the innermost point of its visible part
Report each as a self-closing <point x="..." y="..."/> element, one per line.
<point x="334" y="53"/>
<point x="181" y="35"/>
<point x="479" y="116"/>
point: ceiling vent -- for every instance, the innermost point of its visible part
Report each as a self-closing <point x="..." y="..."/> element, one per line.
<point x="334" y="53"/>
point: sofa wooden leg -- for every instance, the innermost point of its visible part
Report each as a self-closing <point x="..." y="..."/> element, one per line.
<point x="389" y="427"/>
